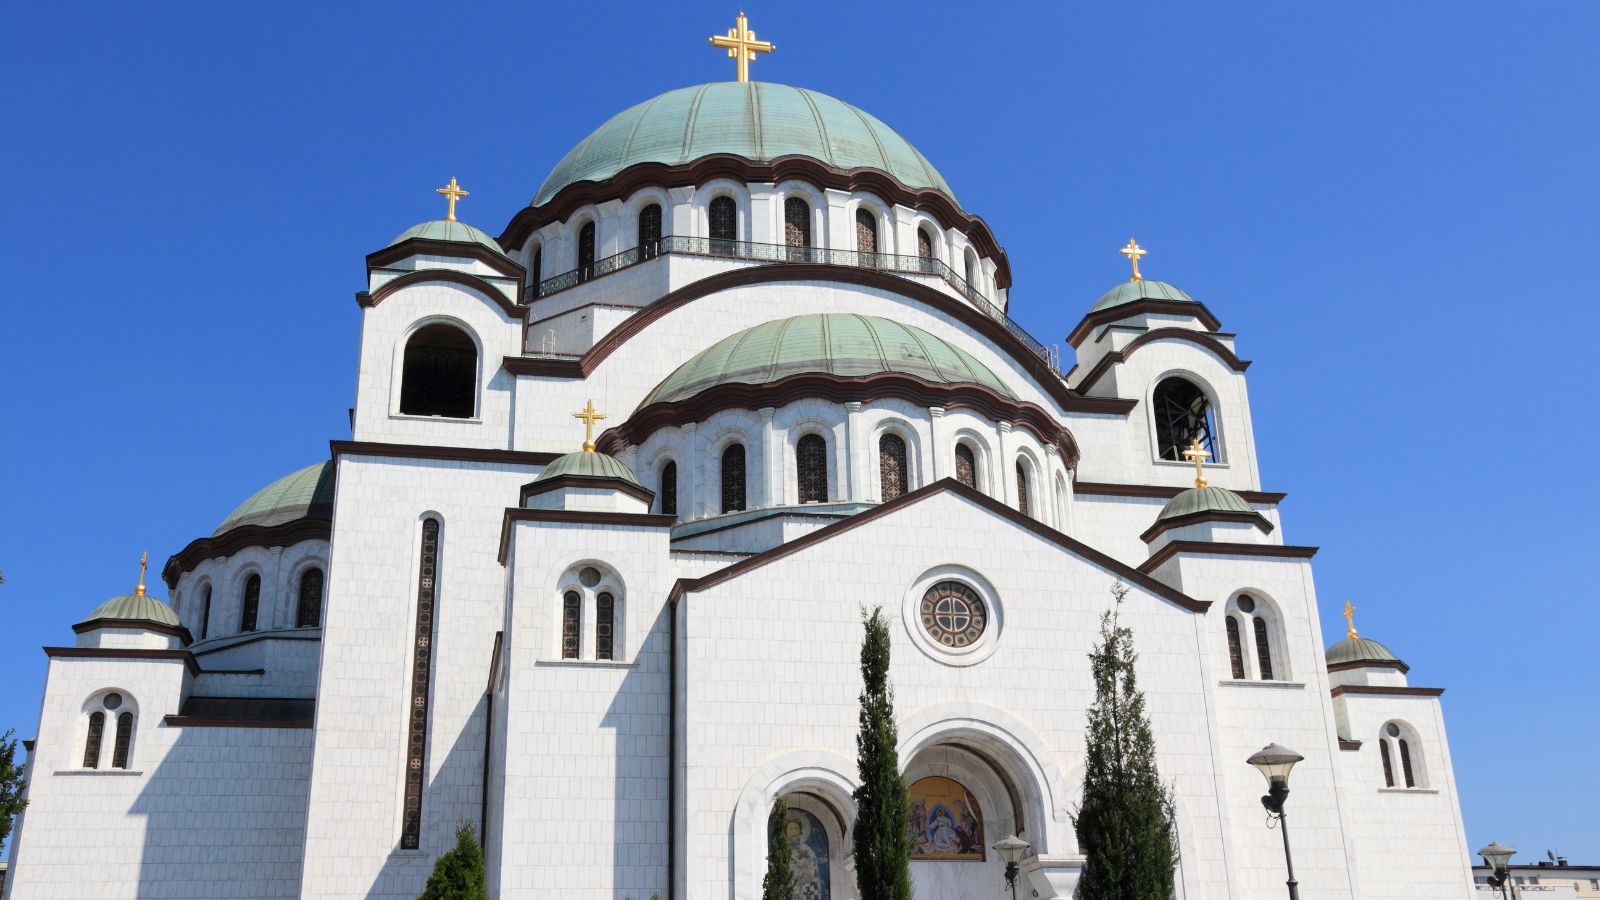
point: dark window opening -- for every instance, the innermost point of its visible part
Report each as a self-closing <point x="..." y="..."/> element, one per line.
<point x="966" y="466"/>
<point x="604" y="619"/>
<point x="811" y="461"/>
<point x="586" y="252"/>
<point x="650" y="231"/>
<point x="571" y="624"/>
<point x="892" y="466"/>
<point x="119" y="750"/>
<point x="1235" y="648"/>
<point x="205" y="613"/>
<point x="252" y="603"/>
<point x="536" y="270"/>
<point x="733" y="478"/>
<point x="1183" y="414"/>
<point x="308" y="612"/>
<point x="796" y="228"/>
<point x="924" y="244"/>
<point x="91" y="748"/>
<point x="724" y="225"/>
<point x="669" y="489"/>
<point x="1022" y="488"/>
<point x="1263" y="650"/>
<point x="1388" y="767"/>
<point x="866" y="237"/>
<point x="1405" y="762"/>
<point x="421" y="674"/>
<point x="440" y="376"/>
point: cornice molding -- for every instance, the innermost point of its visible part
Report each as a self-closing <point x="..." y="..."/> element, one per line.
<point x="429" y="247"/>
<point x="1395" y="664"/>
<point x="1160" y="491"/>
<point x="1198" y="338"/>
<point x="576" y="517"/>
<point x="1162" y="526"/>
<point x="1225" y="548"/>
<point x="208" y="722"/>
<point x="534" y="488"/>
<point x="177" y="631"/>
<point x="454" y="454"/>
<point x="287" y="534"/>
<point x="1378" y="690"/>
<point x="1150" y="305"/>
<point x="369" y="299"/>
<point x="124" y="653"/>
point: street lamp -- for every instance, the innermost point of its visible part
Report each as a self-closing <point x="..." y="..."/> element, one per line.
<point x="1275" y="762"/>
<point x="1497" y="856"/>
<point x="1012" y="849"/>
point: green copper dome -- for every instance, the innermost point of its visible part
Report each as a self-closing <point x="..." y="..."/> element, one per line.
<point x="1130" y="291"/>
<point x="136" y="608"/>
<point x="306" y="493"/>
<point x="1204" y="500"/>
<point x="1359" y="650"/>
<point x="757" y="120"/>
<point x="847" y="345"/>
<point x="445" y="230"/>
<point x="587" y="464"/>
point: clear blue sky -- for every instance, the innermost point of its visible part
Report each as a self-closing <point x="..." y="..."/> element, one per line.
<point x="1393" y="205"/>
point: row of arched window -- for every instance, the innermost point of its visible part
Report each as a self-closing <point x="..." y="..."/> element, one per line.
<point x="108" y="707"/>
<point x="1395" y="743"/>
<point x="307" y="611"/>
<point x="1251" y="639"/>
<point x="587" y="592"/>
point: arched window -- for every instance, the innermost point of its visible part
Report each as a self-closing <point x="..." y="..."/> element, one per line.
<point x="205" y="613"/>
<point x="650" y="231"/>
<point x="251" y="604"/>
<point x="892" y="466"/>
<point x="308" y="612"/>
<point x="1388" y="766"/>
<point x="811" y="463"/>
<point x="970" y="270"/>
<point x="966" y="466"/>
<point x="733" y="478"/>
<point x="1022" y="488"/>
<point x="724" y="215"/>
<point x="1235" y="648"/>
<point x="571" y="624"/>
<point x="1183" y="414"/>
<point x="586" y="251"/>
<point x="924" y="246"/>
<point x="440" y="374"/>
<point x="536" y="270"/>
<point x="1405" y="762"/>
<point x="91" y="747"/>
<point x="866" y="236"/>
<point x="101" y="709"/>
<point x="1394" y="740"/>
<point x="119" y="751"/>
<point x="1263" y="649"/>
<point x="422" y="637"/>
<point x="604" y="618"/>
<point x="669" y="489"/>
<point x="796" y="228"/>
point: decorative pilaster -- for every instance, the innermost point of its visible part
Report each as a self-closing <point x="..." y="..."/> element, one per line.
<point x="769" y="462"/>
<point x="691" y="472"/>
<point x="1005" y="474"/>
<point x="854" y="478"/>
<point x="939" y="458"/>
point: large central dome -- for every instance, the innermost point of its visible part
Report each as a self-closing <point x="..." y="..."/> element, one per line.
<point x="756" y="120"/>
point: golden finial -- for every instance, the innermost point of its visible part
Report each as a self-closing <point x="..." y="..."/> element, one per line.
<point x="1133" y="251"/>
<point x="742" y="45"/>
<point x="1350" y="617"/>
<point x="1199" y="455"/>
<point x="589" y="415"/>
<point x="452" y="192"/>
<point x="144" y="561"/>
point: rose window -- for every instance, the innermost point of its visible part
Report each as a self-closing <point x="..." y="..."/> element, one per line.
<point x="953" y="614"/>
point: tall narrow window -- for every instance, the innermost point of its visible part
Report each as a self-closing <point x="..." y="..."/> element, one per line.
<point x="536" y="270"/>
<point x="1183" y="414"/>
<point x="308" y="612"/>
<point x="421" y="671"/>
<point x="1022" y="488"/>
<point x="1405" y="762"/>
<point x="251" y="604"/>
<point x="669" y="489"/>
<point x="119" y="750"/>
<point x="866" y="237"/>
<point x="91" y="747"/>
<point x="892" y="466"/>
<point x="970" y="270"/>
<point x="571" y="624"/>
<point x="1388" y="767"/>
<point x="924" y="246"/>
<point x="650" y="231"/>
<point x="733" y="478"/>
<point x="605" y="612"/>
<point x="811" y="462"/>
<point x="1235" y="649"/>
<point x="724" y="225"/>
<point x="586" y="252"/>
<point x="205" y="613"/>
<point x="966" y="466"/>
<point x="796" y="228"/>
<point x="1263" y="649"/>
<point x="440" y="374"/>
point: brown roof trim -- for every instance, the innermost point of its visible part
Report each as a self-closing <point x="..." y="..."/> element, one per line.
<point x="29" y="744"/>
<point x="725" y="165"/>
<point x="454" y="454"/>
<point x="576" y="517"/>
<point x="239" y="640"/>
<point x="1349" y="745"/>
<point x="370" y="299"/>
<point x="775" y="512"/>
<point x="1032" y="417"/>
<point x="208" y="722"/>
<point x="183" y="656"/>
<point x="286" y="534"/>
<point x="746" y="276"/>
<point x="1379" y="690"/>
<point x="1151" y="305"/>
<point x="534" y="488"/>
<point x="943" y="485"/>
<point x="1198" y="338"/>
<point x="1369" y="664"/>
<point x="1225" y="548"/>
<point x="1160" y="491"/>
<point x="1162" y="526"/>
<point x="177" y="631"/>
<point x="428" y="247"/>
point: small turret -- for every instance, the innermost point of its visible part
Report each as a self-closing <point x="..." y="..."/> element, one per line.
<point x="135" y="621"/>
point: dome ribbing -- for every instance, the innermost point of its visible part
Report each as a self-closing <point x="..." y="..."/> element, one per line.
<point x="306" y="493"/>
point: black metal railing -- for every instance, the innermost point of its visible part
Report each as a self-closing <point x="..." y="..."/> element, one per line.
<point x="782" y="253"/>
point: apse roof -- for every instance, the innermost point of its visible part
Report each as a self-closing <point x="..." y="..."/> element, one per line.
<point x="306" y="493"/>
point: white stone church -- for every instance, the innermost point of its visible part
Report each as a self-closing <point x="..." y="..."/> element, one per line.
<point x="609" y="655"/>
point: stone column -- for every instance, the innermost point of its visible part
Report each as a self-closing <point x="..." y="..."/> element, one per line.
<point x="1004" y="477"/>
<point x="766" y="463"/>
<point x="1052" y="463"/>
<point x="274" y="611"/>
<point x="692" y="495"/>
<point x="853" y="480"/>
<point x="938" y="459"/>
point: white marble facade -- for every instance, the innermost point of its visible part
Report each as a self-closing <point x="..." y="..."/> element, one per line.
<point x="644" y="765"/>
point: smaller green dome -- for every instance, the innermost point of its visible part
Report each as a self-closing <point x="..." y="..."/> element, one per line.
<point x="136" y="608"/>
<point x="1132" y="291"/>
<point x="588" y="464"/>
<point x="446" y="230"/>
<point x="307" y="493"/>
<point x="1205" y="500"/>
<point x="1360" y="650"/>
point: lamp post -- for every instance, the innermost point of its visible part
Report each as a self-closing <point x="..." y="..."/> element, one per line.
<point x="1012" y="849"/>
<point x="1497" y="857"/>
<point x="1274" y="762"/>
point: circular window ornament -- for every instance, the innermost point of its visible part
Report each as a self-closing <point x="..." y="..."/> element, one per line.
<point x="953" y="615"/>
<point x="589" y="576"/>
<point x="113" y="700"/>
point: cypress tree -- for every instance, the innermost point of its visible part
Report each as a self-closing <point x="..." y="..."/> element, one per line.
<point x="1124" y="825"/>
<point x="882" y="838"/>
<point x="779" y="883"/>
<point x="458" y="875"/>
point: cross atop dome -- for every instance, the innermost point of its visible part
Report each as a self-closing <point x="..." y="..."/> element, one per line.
<point x="452" y="192"/>
<point x="1133" y="251"/>
<point x="742" y="45"/>
<point x="1198" y="455"/>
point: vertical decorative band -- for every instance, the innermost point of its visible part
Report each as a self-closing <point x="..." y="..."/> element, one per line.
<point x="421" y="664"/>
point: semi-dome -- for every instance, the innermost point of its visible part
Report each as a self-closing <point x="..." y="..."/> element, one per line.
<point x="1357" y="650"/>
<point x="452" y="230"/>
<point x="1145" y="289"/>
<point x="307" y="493"/>
<point x="759" y="121"/>
<point x="843" y="344"/>
<point x="1208" y="499"/>
<point x="135" y="607"/>
<point x="587" y="464"/>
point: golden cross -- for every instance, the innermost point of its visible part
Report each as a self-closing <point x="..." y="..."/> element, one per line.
<point x="144" y="560"/>
<point x="1350" y="617"/>
<point x="589" y="415"/>
<point x="1199" y="454"/>
<point x="1133" y="251"/>
<point x="452" y="192"/>
<point x="742" y="45"/>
